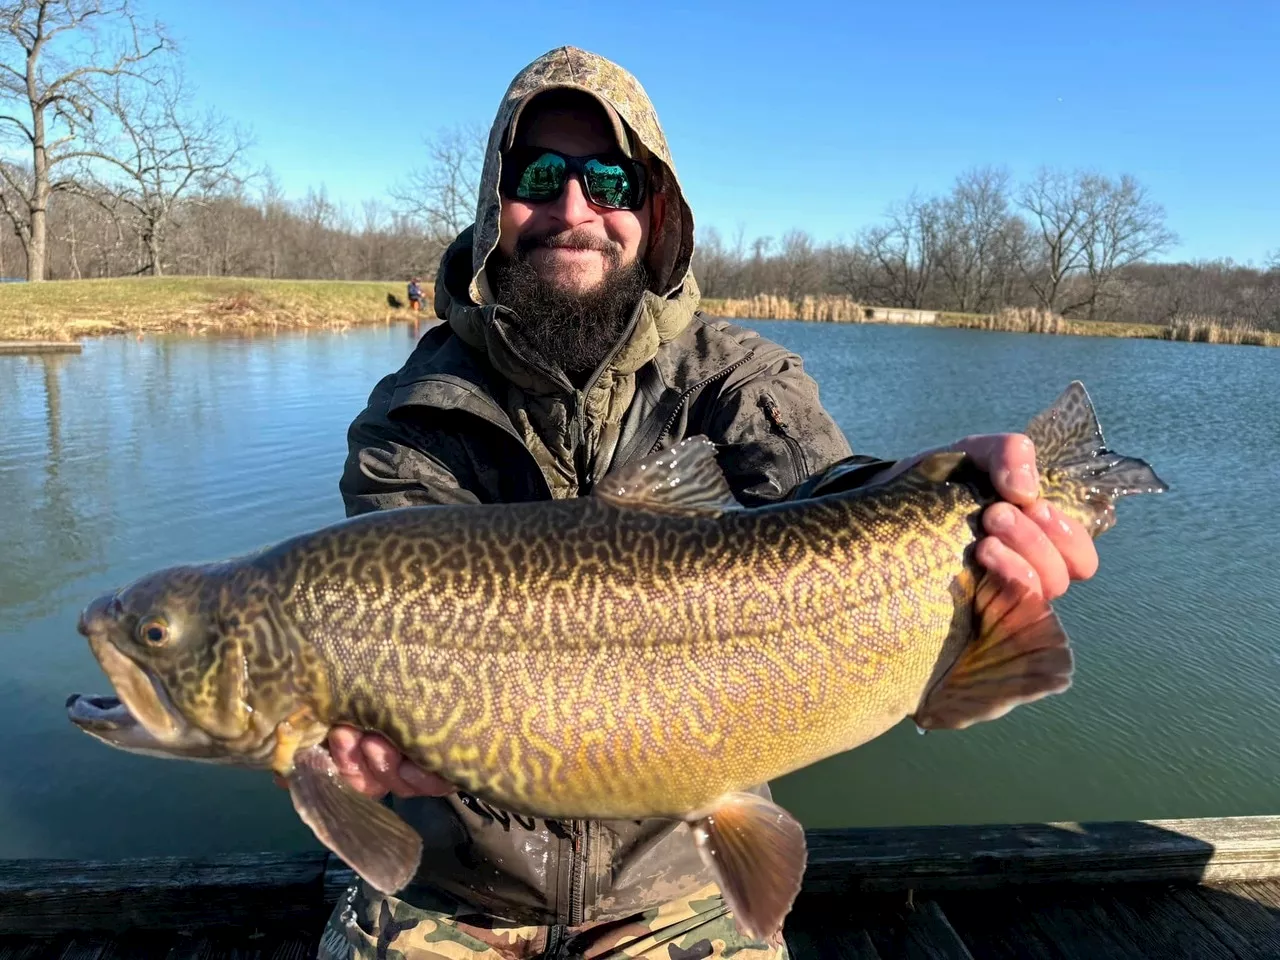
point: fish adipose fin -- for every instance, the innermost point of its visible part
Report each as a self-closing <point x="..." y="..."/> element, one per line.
<point x="1021" y="654"/>
<point x="684" y="479"/>
<point x="1079" y="475"/>
<point x="756" y="851"/>
<point x="374" y="842"/>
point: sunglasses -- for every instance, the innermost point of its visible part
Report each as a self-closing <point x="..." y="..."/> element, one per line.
<point x="538" y="175"/>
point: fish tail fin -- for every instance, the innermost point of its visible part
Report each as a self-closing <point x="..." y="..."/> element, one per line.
<point x="1079" y="475"/>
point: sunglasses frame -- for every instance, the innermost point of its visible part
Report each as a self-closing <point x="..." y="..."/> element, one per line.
<point x="517" y="160"/>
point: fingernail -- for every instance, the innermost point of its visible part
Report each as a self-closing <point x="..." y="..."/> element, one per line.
<point x="1039" y="512"/>
<point x="1022" y="480"/>
<point x="999" y="519"/>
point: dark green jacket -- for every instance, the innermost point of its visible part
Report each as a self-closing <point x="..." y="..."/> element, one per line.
<point x="443" y="429"/>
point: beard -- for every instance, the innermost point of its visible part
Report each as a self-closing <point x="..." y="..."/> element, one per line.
<point x="569" y="330"/>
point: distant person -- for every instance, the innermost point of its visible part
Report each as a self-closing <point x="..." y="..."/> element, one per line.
<point x="415" y="294"/>
<point x="571" y="344"/>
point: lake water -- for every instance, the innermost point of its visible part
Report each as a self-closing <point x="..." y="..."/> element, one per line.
<point x="137" y="454"/>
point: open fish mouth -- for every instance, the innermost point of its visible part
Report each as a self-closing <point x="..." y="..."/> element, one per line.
<point x="107" y="718"/>
<point x="97" y="714"/>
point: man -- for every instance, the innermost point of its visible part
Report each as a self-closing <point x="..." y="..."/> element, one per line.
<point x="572" y="345"/>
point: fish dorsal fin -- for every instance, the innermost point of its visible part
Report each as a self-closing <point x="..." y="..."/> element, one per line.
<point x="756" y="852"/>
<point x="1020" y="654"/>
<point x="373" y="840"/>
<point x="683" y="479"/>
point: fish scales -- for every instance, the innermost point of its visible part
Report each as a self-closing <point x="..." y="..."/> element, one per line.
<point x="649" y="651"/>
<point x="750" y="620"/>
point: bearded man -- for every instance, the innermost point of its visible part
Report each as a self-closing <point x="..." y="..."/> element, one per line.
<point x="572" y="345"/>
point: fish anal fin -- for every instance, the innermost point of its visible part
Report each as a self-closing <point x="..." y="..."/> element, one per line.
<point x="373" y="840"/>
<point x="1020" y="654"/>
<point x="682" y="479"/>
<point x="756" y="850"/>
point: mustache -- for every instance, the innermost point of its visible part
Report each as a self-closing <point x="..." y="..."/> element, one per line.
<point x="565" y="240"/>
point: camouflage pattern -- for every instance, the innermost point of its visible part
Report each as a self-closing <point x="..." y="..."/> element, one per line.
<point x="536" y="404"/>
<point x="575" y="69"/>
<point x="365" y="925"/>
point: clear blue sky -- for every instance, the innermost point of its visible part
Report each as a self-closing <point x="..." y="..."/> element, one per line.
<point x="854" y="104"/>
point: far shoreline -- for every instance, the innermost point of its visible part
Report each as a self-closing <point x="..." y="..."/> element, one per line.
<point x="66" y="311"/>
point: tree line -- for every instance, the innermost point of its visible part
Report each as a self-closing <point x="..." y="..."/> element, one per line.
<point x="108" y="167"/>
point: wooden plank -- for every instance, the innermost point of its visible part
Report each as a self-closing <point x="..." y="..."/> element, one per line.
<point x="1257" y="922"/>
<point x="50" y="896"/>
<point x="993" y="926"/>
<point x="1163" y="928"/>
<point x="15" y="348"/>
<point x="982" y="857"/>
<point x="827" y="928"/>
<point x="930" y="935"/>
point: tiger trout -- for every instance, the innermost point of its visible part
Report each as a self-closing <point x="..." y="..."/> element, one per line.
<point x="650" y="650"/>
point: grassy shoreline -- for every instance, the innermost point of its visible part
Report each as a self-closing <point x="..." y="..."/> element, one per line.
<point x="70" y="309"/>
<point x="64" y="310"/>
<point x="843" y="310"/>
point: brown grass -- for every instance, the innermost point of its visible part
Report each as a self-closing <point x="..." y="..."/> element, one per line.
<point x="69" y="309"/>
<point x="764" y="306"/>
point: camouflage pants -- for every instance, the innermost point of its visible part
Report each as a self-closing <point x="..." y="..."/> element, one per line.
<point x="368" y="926"/>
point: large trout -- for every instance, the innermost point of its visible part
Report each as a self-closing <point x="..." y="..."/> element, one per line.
<point x="651" y="650"/>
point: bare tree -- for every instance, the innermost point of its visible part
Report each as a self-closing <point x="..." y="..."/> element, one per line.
<point x="974" y="239"/>
<point x="441" y="195"/>
<point x="1089" y="227"/>
<point x="156" y="151"/>
<point x="52" y="56"/>
<point x="905" y="253"/>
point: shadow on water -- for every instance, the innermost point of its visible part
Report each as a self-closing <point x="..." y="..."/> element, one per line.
<point x="1092" y="890"/>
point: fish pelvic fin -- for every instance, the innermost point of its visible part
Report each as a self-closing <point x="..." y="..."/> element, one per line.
<point x="1079" y="474"/>
<point x="683" y="479"/>
<point x="756" y="851"/>
<point x="1021" y="654"/>
<point x="374" y="841"/>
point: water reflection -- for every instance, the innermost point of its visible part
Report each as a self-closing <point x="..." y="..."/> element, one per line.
<point x="137" y="454"/>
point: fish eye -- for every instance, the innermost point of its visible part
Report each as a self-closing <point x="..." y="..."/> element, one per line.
<point x="153" y="632"/>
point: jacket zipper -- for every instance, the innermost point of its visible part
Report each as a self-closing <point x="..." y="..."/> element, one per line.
<point x="579" y="867"/>
<point x="690" y="391"/>
<point x="799" y="463"/>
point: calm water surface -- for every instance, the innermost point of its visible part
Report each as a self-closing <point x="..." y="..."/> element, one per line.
<point x="137" y="454"/>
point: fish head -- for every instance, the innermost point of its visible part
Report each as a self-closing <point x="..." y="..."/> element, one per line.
<point x="180" y="668"/>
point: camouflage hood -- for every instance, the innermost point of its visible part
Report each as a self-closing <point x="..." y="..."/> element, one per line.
<point x="671" y="249"/>
<point x="536" y="400"/>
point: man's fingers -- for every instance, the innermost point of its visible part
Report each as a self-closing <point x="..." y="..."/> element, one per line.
<point x="1026" y="539"/>
<point x="1007" y="565"/>
<point x="1010" y="460"/>
<point x="344" y="747"/>
<point x="1069" y="538"/>
<point x="398" y="775"/>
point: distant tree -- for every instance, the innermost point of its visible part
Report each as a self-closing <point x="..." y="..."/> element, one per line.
<point x="53" y="55"/>
<point x="156" y="151"/>
<point x="440" y="196"/>
<point x="1087" y="229"/>
<point x="905" y="252"/>
<point x="975" y="237"/>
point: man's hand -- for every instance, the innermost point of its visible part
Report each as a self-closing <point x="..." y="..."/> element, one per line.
<point x="373" y="766"/>
<point x="1030" y="540"/>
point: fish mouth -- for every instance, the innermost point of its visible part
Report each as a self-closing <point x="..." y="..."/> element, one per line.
<point x="140" y="718"/>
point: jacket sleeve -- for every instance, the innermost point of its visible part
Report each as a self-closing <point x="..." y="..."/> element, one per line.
<point x="391" y="464"/>
<point x="777" y="440"/>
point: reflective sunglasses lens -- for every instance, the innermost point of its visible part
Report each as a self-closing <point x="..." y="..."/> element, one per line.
<point x="609" y="184"/>
<point x="543" y="179"/>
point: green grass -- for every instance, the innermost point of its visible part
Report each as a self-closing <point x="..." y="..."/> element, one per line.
<point x="69" y="309"/>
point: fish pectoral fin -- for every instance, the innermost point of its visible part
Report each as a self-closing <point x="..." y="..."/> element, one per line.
<point x="1021" y="653"/>
<point x="756" y="850"/>
<point x="682" y="479"/>
<point x="374" y="842"/>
